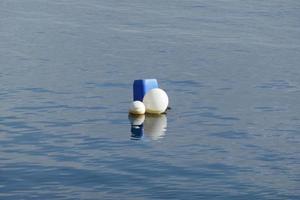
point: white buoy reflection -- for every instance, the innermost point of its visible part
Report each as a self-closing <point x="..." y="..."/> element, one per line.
<point x="136" y="120"/>
<point x="151" y="126"/>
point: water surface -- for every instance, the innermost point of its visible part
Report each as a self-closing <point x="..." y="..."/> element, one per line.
<point x="230" y="68"/>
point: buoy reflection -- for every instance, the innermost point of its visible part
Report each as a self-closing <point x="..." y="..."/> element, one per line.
<point x="151" y="126"/>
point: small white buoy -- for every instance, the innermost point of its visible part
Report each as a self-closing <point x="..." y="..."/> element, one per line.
<point x="156" y="101"/>
<point x="137" y="108"/>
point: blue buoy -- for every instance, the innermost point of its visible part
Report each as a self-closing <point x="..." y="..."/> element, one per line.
<point x="141" y="87"/>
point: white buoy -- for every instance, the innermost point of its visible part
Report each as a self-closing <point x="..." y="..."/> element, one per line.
<point x="156" y="101"/>
<point x="137" y="108"/>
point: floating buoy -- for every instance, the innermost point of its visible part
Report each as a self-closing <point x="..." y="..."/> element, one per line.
<point x="137" y="108"/>
<point x="156" y="101"/>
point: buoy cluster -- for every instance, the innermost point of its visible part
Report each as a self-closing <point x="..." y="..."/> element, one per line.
<point x="148" y="98"/>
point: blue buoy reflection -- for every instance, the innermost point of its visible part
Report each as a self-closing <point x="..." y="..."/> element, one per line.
<point x="151" y="126"/>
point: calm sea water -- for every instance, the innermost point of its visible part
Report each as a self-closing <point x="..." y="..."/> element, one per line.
<point x="230" y="68"/>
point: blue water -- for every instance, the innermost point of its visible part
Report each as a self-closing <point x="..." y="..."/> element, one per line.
<point x="230" y="68"/>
